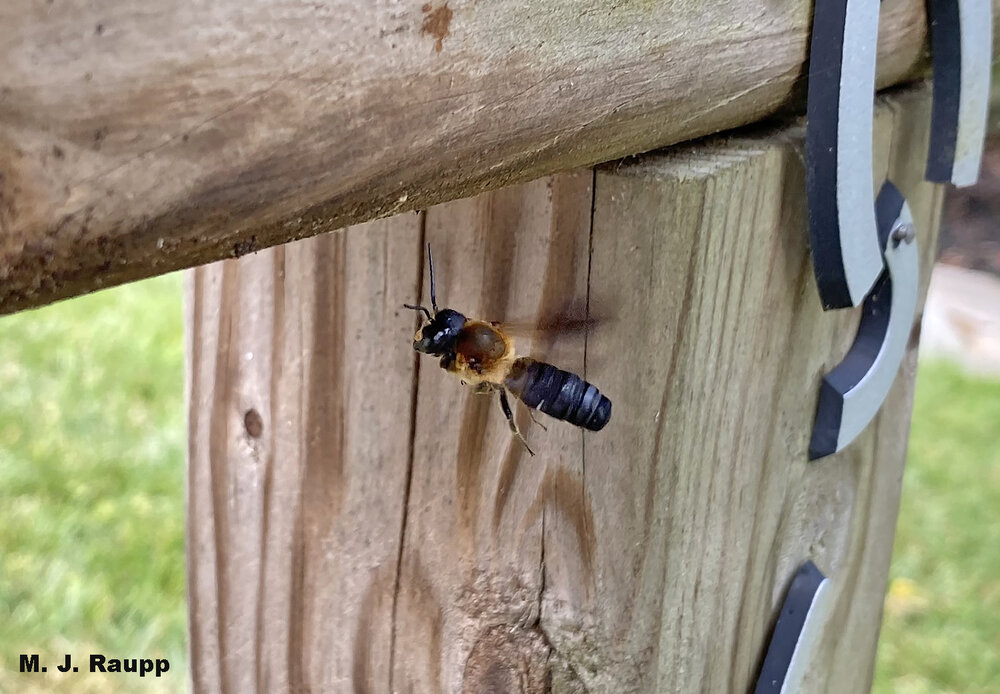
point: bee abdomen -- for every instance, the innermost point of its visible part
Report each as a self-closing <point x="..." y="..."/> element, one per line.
<point x="560" y="394"/>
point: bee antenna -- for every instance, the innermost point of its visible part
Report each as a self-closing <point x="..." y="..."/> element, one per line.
<point x="419" y="308"/>
<point x="430" y="263"/>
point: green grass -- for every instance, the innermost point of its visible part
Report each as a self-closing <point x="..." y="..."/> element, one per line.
<point x="941" y="630"/>
<point x="92" y="439"/>
<point x="92" y="505"/>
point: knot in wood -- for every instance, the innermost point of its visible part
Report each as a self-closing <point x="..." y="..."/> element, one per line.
<point x="507" y="659"/>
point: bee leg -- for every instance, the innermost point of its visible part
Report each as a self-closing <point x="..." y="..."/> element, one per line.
<point x="481" y="388"/>
<point x="532" y="415"/>
<point x="505" y="406"/>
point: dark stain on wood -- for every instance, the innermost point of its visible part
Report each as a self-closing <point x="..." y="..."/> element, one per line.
<point x="99" y="135"/>
<point x="507" y="661"/>
<point x="436" y="23"/>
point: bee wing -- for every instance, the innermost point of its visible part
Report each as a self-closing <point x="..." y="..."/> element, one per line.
<point x="559" y="340"/>
<point x="574" y="316"/>
<point x="549" y="326"/>
<point x="558" y="332"/>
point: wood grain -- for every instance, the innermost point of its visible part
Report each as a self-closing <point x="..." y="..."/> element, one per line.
<point x="703" y="503"/>
<point x="138" y="137"/>
<point x="383" y="532"/>
<point x="301" y="393"/>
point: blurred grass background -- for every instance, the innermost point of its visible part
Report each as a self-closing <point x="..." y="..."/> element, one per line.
<point x="941" y="627"/>
<point x="92" y="440"/>
<point x="92" y="474"/>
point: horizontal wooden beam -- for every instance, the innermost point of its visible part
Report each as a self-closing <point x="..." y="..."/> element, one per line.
<point x="138" y="138"/>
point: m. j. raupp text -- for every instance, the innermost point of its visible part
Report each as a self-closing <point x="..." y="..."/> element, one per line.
<point x="100" y="663"/>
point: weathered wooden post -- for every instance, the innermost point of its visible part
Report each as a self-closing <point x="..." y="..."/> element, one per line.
<point x="359" y="522"/>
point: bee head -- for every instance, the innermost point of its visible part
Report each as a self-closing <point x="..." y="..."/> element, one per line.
<point x="437" y="336"/>
<point x="438" y="333"/>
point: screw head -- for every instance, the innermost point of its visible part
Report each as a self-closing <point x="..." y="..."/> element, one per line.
<point x="903" y="233"/>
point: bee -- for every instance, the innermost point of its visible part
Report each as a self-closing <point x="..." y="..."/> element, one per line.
<point x="483" y="357"/>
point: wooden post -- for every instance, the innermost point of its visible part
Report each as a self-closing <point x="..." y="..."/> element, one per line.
<point x="359" y="522"/>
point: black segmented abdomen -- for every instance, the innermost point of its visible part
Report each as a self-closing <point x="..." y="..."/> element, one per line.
<point x="559" y="394"/>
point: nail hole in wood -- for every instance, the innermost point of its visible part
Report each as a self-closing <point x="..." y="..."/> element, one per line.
<point x="253" y="423"/>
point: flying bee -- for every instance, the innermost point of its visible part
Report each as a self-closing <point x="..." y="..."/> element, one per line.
<point x="483" y="357"/>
